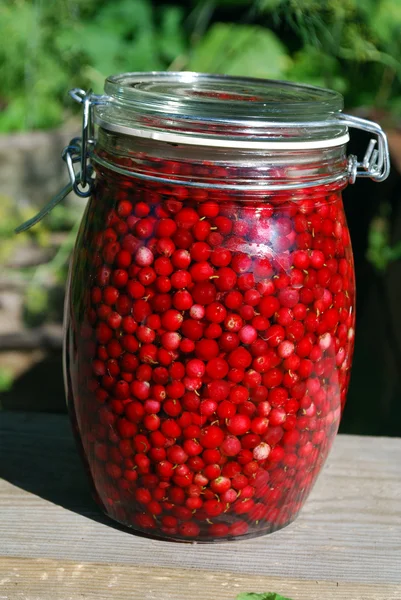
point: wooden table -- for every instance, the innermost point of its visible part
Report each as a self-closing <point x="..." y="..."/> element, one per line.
<point x="55" y="544"/>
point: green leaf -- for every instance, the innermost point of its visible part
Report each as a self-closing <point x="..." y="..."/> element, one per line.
<point x="386" y="20"/>
<point x="312" y="65"/>
<point x="171" y="39"/>
<point x="231" y="2"/>
<point x="124" y="16"/>
<point x="269" y="5"/>
<point x="6" y="379"/>
<point x="240" y="50"/>
<point x="378" y="252"/>
<point x="263" y="596"/>
<point x="36" y="300"/>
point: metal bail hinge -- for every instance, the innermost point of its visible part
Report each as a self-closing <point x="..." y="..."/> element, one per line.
<point x="376" y="162"/>
<point x="77" y="151"/>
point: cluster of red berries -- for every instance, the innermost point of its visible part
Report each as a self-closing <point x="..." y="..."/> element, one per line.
<point x="212" y="337"/>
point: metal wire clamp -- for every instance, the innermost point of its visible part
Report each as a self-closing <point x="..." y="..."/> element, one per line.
<point x="375" y="164"/>
<point x="78" y="151"/>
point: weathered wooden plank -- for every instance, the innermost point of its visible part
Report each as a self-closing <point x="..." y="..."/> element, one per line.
<point x="349" y="531"/>
<point x="46" y="579"/>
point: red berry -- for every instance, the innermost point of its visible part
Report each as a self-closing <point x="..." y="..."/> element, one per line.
<point x="211" y="437"/>
<point x="238" y="424"/>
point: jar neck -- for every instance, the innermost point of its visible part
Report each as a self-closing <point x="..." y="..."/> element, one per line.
<point x="222" y="168"/>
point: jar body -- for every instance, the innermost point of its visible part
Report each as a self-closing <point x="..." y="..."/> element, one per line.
<point x="209" y="340"/>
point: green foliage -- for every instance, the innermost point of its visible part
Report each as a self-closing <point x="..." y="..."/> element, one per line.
<point x="55" y="45"/>
<point x="6" y="379"/>
<point x="41" y="302"/>
<point x="36" y="303"/>
<point x="238" y="49"/>
<point x="124" y="36"/>
<point x="353" y="46"/>
<point x="32" y="77"/>
<point x="10" y="218"/>
<point x="380" y="251"/>
<point x="317" y="68"/>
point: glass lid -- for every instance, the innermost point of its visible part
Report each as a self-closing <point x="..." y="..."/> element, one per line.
<point x="218" y="110"/>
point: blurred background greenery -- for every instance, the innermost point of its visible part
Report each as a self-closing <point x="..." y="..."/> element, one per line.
<point x="50" y="46"/>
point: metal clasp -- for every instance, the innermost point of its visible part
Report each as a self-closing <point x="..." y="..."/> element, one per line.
<point x="77" y="151"/>
<point x="376" y="162"/>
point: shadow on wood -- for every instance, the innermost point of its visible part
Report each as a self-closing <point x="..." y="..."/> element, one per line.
<point x="40" y="388"/>
<point x="42" y="458"/>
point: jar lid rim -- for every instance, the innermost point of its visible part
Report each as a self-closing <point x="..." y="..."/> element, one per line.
<point x="188" y="93"/>
<point x="222" y="110"/>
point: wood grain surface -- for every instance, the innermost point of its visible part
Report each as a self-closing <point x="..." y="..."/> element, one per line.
<point x="49" y="579"/>
<point x="56" y="545"/>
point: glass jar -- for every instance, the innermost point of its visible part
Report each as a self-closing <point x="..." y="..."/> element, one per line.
<point x="210" y="310"/>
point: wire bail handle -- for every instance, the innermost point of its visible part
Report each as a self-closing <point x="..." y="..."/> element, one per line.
<point x="376" y="162"/>
<point x="78" y="150"/>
